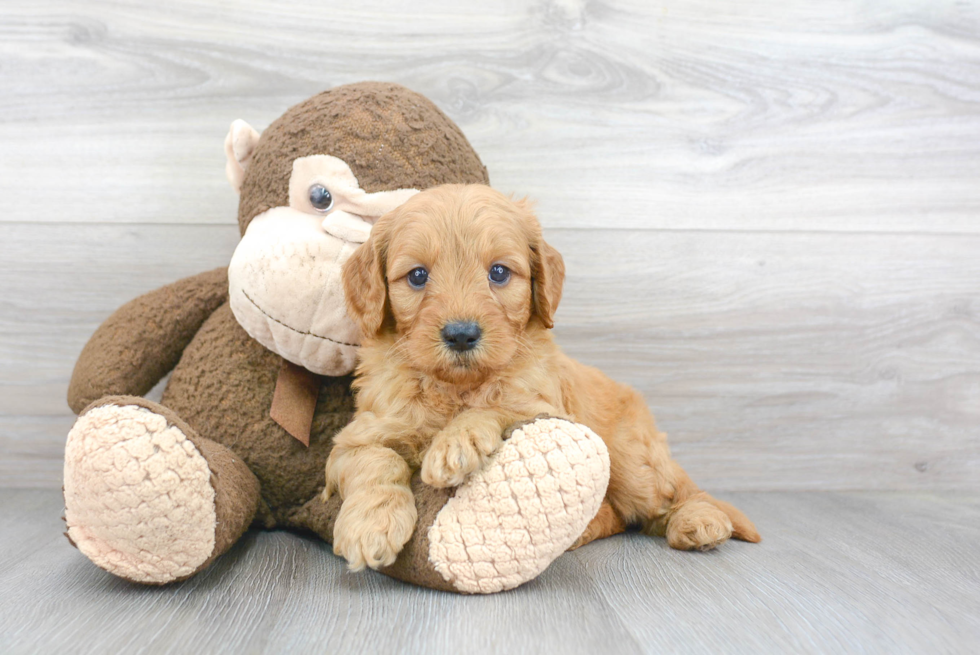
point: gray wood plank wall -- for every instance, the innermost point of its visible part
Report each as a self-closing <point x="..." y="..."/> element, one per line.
<point x="770" y="211"/>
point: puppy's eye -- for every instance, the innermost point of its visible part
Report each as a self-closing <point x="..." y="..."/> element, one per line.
<point x="499" y="274"/>
<point x="417" y="277"/>
<point x="320" y="198"/>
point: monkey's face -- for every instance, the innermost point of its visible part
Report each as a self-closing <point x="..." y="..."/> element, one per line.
<point x="284" y="278"/>
<point x="311" y="186"/>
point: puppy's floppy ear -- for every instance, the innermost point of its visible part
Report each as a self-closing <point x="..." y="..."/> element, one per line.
<point x="547" y="278"/>
<point x="547" y="270"/>
<point x="365" y="288"/>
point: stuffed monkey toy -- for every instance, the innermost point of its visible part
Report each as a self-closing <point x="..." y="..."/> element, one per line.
<point x="260" y="355"/>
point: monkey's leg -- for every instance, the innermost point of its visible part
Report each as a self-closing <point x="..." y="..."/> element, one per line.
<point x="508" y="520"/>
<point x="146" y="498"/>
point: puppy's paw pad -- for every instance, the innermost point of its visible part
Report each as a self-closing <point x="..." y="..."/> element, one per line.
<point x="698" y="526"/>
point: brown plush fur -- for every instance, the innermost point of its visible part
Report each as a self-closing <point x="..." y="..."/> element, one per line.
<point x="145" y="338"/>
<point x="391" y="137"/>
<point x="423" y="405"/>
<point x="223" y="380"/>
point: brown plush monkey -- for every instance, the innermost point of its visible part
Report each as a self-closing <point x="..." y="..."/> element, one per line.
<point x="261" y="354"/>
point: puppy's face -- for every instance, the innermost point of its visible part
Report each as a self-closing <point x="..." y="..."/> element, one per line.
<point x="457" y="273"/>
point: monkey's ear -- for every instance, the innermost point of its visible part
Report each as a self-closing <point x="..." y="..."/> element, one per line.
<point x="365" y="290"/>
<point x="547" y="279"/>
<point x="239" y="146"/>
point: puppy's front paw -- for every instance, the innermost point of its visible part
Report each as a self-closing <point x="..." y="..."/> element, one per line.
<point x="452" y="456"/>
<point x="373" y="526"/>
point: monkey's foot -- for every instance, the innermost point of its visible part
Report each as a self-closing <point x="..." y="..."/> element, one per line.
<point x="138" y="498"/>
<point x="511" y="519"/>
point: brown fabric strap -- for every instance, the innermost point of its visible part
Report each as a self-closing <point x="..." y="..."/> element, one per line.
<point x="294" y="401"/>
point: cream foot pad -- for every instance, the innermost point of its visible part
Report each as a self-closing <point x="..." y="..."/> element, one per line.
<point x="534" y="498"/>
<point x="138" y="496"/>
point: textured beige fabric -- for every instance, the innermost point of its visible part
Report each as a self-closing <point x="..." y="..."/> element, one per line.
<point x="354" y="210"/>
<point x="239" y="146"/>
<point x="138" y="498"/>
<point x="523" y="509"/>
<point x="285" y="291"/>
<point x="284" y="278"/>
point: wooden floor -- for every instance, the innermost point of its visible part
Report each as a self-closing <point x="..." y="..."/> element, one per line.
<point x="770" y="216"/>
<point x="837" y="573"/>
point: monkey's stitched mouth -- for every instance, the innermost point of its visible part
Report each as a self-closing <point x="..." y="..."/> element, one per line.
<point x="289" y="327"/>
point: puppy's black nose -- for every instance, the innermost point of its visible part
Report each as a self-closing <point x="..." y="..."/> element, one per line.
<point x="461" y="335"/>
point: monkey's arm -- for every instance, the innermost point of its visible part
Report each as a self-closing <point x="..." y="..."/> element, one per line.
<point x="143" y="340"/>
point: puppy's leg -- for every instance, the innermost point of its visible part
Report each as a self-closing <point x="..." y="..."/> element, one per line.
<point x="378" y="514"/>
<point x="606" y="523"/>
<point x="462" y="447"/>
<point x="742" y="528"/>
<point x="648" y="487"/>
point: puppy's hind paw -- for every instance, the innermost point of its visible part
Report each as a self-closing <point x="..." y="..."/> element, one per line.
<point x="698" y="525"/>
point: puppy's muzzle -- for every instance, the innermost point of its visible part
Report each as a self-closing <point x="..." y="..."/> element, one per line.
<point x="461" y="336"/>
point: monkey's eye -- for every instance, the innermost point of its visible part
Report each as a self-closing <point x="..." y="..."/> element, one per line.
<point x="320" y="198"/>
<point x="499" y="274"/>
<point x="417" y="277"/>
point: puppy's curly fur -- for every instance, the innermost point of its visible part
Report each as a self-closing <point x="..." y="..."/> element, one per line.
<point x="427" y="399"/>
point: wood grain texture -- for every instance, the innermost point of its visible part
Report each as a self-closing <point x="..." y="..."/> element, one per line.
<point x="669" y="114"/>
<point x="773" y="360"/>
<point x="769" y="210"/>
<point x="837" y="572"/>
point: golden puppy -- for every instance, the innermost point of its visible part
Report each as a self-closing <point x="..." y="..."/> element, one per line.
<point x="454" y="293"/>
